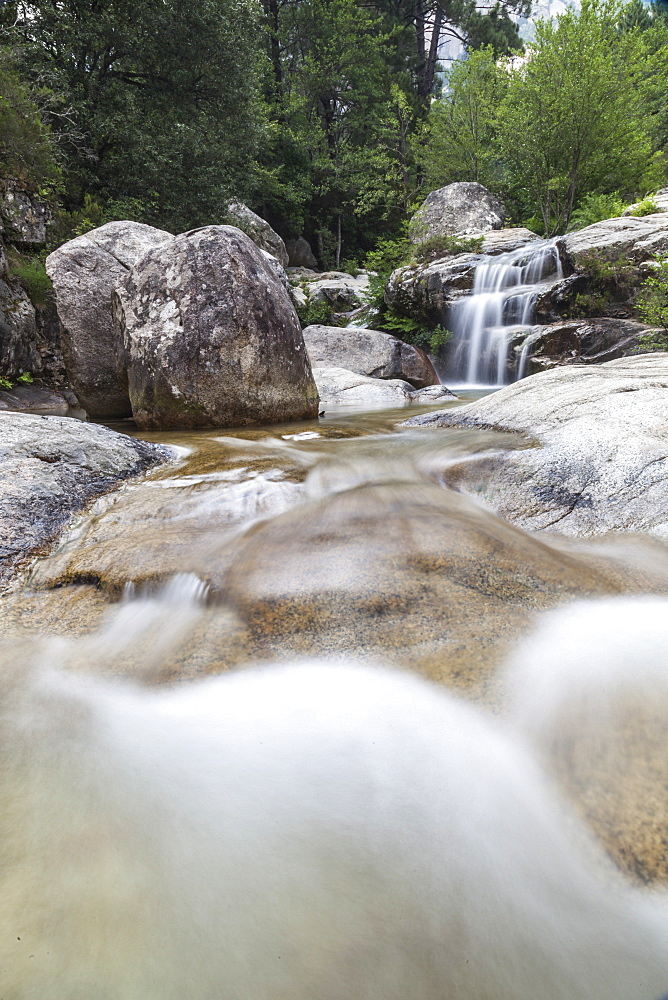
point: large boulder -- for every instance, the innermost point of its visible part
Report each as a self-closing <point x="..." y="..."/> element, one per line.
<point x="601" y="462"/>
<point x="210" y="336"/>
<point x="20" y="340"/>
<point x="51" y="467"/>
<point x="426" y="291"/>
<point x="340" y="387"/>
<point x="465" y="208"/>
<point x="259" y="231"/>
<point x="368" y="352"/>
<point x="84" y="273"/>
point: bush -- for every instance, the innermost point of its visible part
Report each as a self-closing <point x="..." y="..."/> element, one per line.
<point x="413" y="332"/>
<point x="596" y="207"/>
<point x="316" y="312"/>
<point x="647" y="206"/>
<point x="652" y="305"/>
<point x="31" y="275"/>
<point x="607" y="281"/>
<point x="446" y="246"/>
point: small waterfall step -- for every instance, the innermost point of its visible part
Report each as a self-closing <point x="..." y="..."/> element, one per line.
<point x="499" y="314"/>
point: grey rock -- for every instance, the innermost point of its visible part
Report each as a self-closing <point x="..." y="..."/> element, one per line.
<point x="210" y="336"/>
<point x="505" y="240"/>
<point x="39" y="399"/>
<point x="340" y="387"/>
<point x="84" y="273"/>
<point x="20" y="339"/>
<point x="50" y="467"/>
<point x="599" y="460"/>
<point x="300" y="253"/>
<point x="342" y="292"/>
<point x="368" y="352"/>
<point x="25" y="217"/>
<point x="635" y="238"/>
<point x="577" y="342"/>
<point x="463" y="208"/>
<point x="426" y="291"/>
<point x="259" y="231"/>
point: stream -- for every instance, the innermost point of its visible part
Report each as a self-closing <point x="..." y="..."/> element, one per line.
<point x="332" y="539"/>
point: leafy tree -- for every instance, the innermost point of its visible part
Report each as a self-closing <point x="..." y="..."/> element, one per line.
<point x="572" y="121"/>
<point x="162" y="97"/>
<point x="26" y="147"/>
<point x="460" y="137"/>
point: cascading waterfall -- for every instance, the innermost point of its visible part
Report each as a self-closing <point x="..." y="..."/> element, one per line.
<point x="499" y="309"/>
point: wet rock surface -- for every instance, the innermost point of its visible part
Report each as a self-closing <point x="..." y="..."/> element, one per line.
<point x="51" y="467"/>
<point x="368" y="352"/>
<point x="84" y="273"/>
<point x="210" y="336"/>
<point x="600" y="459"/>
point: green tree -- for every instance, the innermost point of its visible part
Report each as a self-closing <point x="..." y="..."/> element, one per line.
<point x="459" y="144"/>
<point x="162" y="96"/>
<point x="26" y="147"/>
<point x="572" y="121"/>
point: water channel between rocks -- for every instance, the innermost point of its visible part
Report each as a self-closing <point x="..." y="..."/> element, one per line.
<point x="336" y="539"/>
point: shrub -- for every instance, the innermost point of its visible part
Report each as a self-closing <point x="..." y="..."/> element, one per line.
<point x="31" y="275"/>
<point x="5" y="383"/>
<point x="414" y="332"/>
<point x="607" y="281"/>
<point x="316" y="312"/>
<point x="647" y="206"/>
<point x="596" y="207"/>
<point x="652" y="305"/>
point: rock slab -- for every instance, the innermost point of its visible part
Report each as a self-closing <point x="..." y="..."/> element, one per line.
<point x="600" y="457"/>
<point x="340" y="387"/>
<point x="368" y="352"/>
<point x="84" y="273"/>
<point x="50" y="468"/>
<point x="210" y="336"/>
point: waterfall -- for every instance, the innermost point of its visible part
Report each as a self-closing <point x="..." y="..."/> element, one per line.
<point x="499" y="311"/>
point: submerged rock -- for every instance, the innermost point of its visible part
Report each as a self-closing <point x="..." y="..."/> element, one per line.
<point x="368" y="352"/>
<point x="84" y="273"/>
<point x="602" y="461"/>
<point x="51" y="467"/>
<point x="210" y="336"/>
<point x="463" y="208"/>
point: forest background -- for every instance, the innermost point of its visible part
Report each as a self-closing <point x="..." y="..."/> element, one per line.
<point x="330" y="118"/>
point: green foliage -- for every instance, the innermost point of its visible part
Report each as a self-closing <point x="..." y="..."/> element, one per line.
<point x="459" y="141"/>
<point x="607" y="282"/>
<point x="573" y="121"/>
<point x="380" y="263"/>
<point x="5" y="383"/>
<point x="31" y="275"/>
<point x="26" y="147"/>
<point x="158" y="100"/>
<point x="652" y="301"/>
<point x="446" y="246"/>
<point x="594" y="207"/>
<point x="647" y="206"/>
<point x="25" y="379"/>
<point x="316" y="312"/>
<point x="413" y="332"/>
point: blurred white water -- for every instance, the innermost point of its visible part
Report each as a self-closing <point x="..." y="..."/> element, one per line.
<point x="499" y="310"/>
<point x="318" y="830"/>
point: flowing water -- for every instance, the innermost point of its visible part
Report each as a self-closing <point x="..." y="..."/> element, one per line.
<point x="498" y="314"/>
<point x="342" y="540"/>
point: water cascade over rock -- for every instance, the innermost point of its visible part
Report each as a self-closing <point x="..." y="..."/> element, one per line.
<point x="500" y="311"/>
